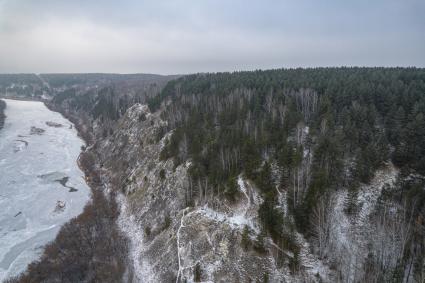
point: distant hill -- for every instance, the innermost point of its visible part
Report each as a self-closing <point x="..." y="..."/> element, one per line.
<point x="21" y="85"/>
<point x="45" y="86"/>
<point x="60" y="80"/>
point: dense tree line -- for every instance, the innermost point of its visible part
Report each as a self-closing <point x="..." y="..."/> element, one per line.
<point x="342" y="123"/>
<point x="8" y="79"/>
<point x="403" y="229"/>
<point x="70" y="80"/>
<point x="21" y="85"/>
<point x="102" y="106"/>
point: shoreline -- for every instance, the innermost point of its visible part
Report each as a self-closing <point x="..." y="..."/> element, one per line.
<point x="18" y="98"/>
<point x="89" y="173"/>
<point x="82" y="130"/>
<point x="82" y="134"/>
<point x="95" y="229"/>
<point x="84" y="137"/>
<point x="65" y="152"/>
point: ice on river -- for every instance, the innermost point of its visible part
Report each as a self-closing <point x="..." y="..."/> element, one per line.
<point x="41" y="186"/>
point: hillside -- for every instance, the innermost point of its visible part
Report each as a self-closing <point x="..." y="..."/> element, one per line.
<point x="47" y="86"/>
<point x="300" y="175"/>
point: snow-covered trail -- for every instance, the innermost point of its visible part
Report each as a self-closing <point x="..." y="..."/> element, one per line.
<point x="178" y="243"/>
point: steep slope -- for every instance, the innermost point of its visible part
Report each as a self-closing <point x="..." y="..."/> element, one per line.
<point x="351" y="236"/>
<point x="270" y="176"/>
<point x="173" y="241"/>
<point x="317" y="145"/>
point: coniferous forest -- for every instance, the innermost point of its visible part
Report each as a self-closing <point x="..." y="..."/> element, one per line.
<point x="356" y="120"/>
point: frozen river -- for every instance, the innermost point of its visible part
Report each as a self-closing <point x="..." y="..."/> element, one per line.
<point x="41" y="186"/>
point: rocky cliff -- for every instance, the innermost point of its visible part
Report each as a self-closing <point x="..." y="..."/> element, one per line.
<point x="174" y="241"/>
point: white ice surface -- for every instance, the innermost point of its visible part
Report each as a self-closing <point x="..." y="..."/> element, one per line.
<point x="27" y="200"/>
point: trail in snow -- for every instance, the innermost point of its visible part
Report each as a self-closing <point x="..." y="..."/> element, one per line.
<point x="178" y="245"/>
<point x="178" y="241"/>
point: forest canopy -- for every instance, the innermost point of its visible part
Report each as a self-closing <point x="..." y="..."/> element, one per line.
<point x="351" y="120"/>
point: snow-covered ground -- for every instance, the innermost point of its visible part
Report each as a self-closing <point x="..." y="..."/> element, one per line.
<point x="41" y="186"/>
<point x="350" y="236"/>
<point x="141" y="269"/>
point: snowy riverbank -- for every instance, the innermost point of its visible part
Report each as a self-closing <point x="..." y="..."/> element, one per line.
<point x="41" y="186"/>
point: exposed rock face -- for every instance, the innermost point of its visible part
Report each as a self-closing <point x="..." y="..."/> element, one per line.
<point x="60" y="206"/>
<point x="53" y="124"/>
<point x="171" y="242"/>
<point x="132" y="158"/>
<point x="36" y="131"/>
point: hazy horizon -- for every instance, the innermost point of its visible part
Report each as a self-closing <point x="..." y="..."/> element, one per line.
<point x="183" y="37"/>
<point x="206" y="72"/>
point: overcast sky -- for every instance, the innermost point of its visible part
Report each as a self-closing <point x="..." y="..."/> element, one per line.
<point x="185" y="36"/>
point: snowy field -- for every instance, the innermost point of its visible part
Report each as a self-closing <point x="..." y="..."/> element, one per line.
<point x="41" y="186"/>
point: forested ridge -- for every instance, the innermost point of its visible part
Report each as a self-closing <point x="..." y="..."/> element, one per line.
<point x="359" y="114"/>
<point x="274" y="126"/>
<point x="20" y="85"/>
<point x="300" y="138"/>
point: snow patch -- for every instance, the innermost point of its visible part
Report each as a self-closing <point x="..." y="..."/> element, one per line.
<point x="350" y="234"/>
<point x="142" y="272"/>
<point x="311" y="262"/>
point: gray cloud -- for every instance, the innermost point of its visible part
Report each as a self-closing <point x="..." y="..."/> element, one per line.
<point x="183" y="36"/>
